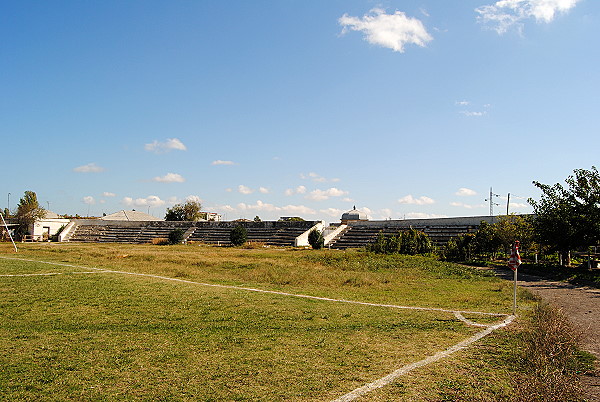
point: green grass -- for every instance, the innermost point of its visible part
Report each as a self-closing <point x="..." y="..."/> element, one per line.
<point x="111" y="336"/>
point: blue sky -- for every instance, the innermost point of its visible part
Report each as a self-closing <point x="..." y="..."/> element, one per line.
<point x="406" y="109"/>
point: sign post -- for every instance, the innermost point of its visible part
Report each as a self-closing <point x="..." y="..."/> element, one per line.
<point x="513" y="262"/>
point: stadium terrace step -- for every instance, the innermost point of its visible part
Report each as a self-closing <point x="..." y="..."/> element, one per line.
<point x="268" y="232"/>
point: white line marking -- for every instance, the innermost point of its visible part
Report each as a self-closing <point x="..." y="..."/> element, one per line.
<point x="365" y="388"/>
<point x="467" y="321"/>
<point x="53" y="273"/>
<point x="166" y="278"/>
<point x="409" y="367"/>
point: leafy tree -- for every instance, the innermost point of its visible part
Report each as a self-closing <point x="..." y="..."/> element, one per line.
<point x="486" y="240"/>
<point x="569" y="218"/>
<point x="459" y="248"/>
<point x="176" y="236"/>
<point x="409" y="242"/>
<point x="28" y="211"/>
<point x="292" y="219"/>
<point x="238" y="235"/>
<point x="188" y="211"/>
<point x="514" y="227"/>
<point x="316" y="239"/>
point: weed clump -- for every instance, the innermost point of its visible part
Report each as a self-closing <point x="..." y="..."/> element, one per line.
<point x="548" y="358"/>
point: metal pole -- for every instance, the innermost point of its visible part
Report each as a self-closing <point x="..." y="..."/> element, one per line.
<point x="515" y="295"/>
<point x="9" y="203"/>
<point x="8" y="231"/>
<point x="507" y="203"/>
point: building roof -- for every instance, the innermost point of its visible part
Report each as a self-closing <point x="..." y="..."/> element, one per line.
<point x="50" y="215"/>
<point x="354" y="215"/>
<point x="130" y="216"/>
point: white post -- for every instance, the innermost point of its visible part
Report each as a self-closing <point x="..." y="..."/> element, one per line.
<point x="8" y="231"/>
<point x="515" y="295"/>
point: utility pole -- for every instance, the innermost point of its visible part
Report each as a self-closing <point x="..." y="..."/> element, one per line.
<point x="507" y="204"/>
<point x="491" y="200"/>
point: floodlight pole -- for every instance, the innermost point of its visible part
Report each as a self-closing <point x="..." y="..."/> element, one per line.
<point x="8" y="231"/>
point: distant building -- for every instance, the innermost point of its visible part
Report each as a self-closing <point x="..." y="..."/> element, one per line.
<point x="212" y="217"/>
<point x="353" y="215"/>
<point x="42" y="229"/>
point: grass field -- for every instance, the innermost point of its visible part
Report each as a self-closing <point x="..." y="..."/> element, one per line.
<point x="81" y="333"/>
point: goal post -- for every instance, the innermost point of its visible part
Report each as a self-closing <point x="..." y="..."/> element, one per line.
<point x="8" y="231"/>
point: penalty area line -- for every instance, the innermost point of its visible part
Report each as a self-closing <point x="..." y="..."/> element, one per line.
<point x="358" y="391"/>
<point x="382" y="382"/>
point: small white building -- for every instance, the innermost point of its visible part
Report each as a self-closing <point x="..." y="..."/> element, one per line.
<point x="42" y="229"/>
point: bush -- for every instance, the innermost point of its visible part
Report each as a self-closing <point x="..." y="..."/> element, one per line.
<point x="316" y="239"/>
<point x="548" y="358"/>
<point x="459" y="248"/>
<point x="238" y="235"/>
<point x="176" y="236"/>
<point x="411" y="242"/>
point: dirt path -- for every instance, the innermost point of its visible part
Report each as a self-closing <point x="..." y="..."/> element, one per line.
<point x="581" y="305"/>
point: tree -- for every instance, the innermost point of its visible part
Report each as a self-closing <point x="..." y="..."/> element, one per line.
<point x="486" y="240"/>
<point x="316" y="239"/>
<point x="514" y="227"/>
<point x="176" y="236"/>
<point x="28" y="211"/>
<point x="238" y="235"/>
<point x="569" y="218"/>
<point x="188" y="211"/>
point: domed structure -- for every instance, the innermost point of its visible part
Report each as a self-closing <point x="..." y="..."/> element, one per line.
<point x="353" y="215"/>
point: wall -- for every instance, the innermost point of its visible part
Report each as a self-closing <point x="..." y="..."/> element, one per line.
<point x="37" y="229"/>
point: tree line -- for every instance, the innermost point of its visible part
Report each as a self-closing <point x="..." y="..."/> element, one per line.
<point x="566" y="218"/>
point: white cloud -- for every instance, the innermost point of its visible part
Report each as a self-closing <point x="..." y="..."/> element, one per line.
<point x="472" y="114"/>
<point x="169" y="178"/>
<point x="263" y="190"/>
<point x="89" y="168"/>
<point x="318" y="178"/>
<point x="220" y="162"/>
<point x="321" y="195"/>
<point x="334" y="212"/>
<point x="409" y="199"/>
<point x="265" y="207"/>
<point x="462" y="103"/>
<point x="465" y="192"/>
<point x="505" y="14"/>
<point x="467" y="206"/>
<point x="244" y="190"/>
<point x="297" y="190"/>
<point x="392" y="31"/>
<point x="88" y="199"/>
<point x="421" y="215"/>
<point x="169" y="145"/>
<point x="150" y="201"/>
<point x="108" y="194"/>
<point x="193" y="198"/>
<point x="385" y="213"/>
